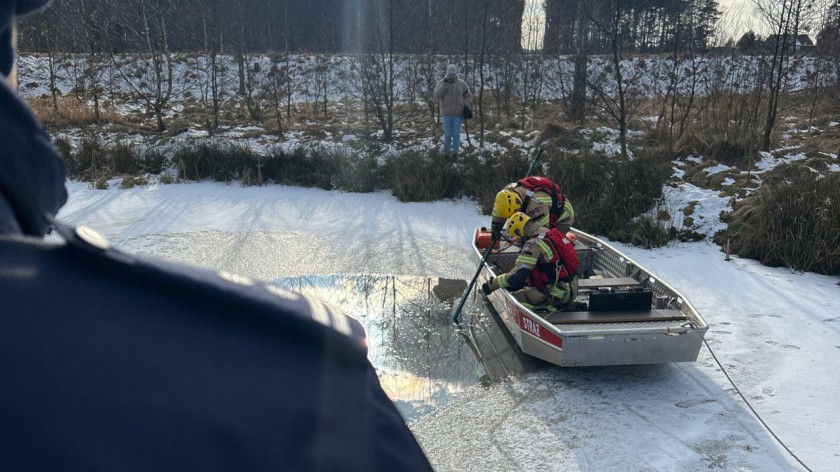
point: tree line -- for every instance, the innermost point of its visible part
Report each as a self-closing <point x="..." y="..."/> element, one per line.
<point x="453" y="27"/>
<point x="294" y="26"/>
<point x="398" y="50"/>
<point x="641" y="26"/>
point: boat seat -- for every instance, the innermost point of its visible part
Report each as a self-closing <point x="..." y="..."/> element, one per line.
<point x="570" y="317"/>
<point x="607" y="283"/>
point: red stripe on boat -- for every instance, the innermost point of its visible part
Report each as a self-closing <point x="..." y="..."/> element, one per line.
<point x="529" y="326"/>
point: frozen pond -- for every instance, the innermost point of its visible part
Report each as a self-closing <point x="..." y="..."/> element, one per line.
<point x="420" y="360"/>
<point x="382" y="261"/>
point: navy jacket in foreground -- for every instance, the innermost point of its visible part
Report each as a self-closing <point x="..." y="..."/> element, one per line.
<point x="110" y="362"/>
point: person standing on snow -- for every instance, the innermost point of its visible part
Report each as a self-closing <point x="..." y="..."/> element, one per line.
<point x="115" y="362"/>
<point x="453" y="95"/>
<point x="545" y="272"/>
<point x="539" y="198"/>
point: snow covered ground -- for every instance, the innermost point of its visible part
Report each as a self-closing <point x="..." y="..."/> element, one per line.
<point x="777" y="332"/>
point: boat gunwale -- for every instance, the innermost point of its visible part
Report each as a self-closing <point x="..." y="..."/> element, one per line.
<point x="694" y="322"/>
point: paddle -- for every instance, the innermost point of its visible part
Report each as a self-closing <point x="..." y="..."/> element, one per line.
<point x="456" y="312"/>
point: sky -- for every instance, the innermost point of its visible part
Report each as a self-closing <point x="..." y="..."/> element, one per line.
<point x="737" y="17"/>
<point x="776" y="331"/>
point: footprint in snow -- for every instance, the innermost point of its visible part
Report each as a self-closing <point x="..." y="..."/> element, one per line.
<point x="691" y="403"/>
<point x="772" y="343"/>
<point x="831" y="320"/>
<point x="791" y="346"/>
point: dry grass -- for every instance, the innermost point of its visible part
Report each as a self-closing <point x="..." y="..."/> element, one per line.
<point x="71" y="112"/>
<point x="826" y="140"/>
<point x="793" y="220"/>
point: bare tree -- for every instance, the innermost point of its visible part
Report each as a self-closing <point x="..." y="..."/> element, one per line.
<point x="786" y="18"/>
<point x="683" y="81"/>
<point x="213" y="69"/>
<point x="578" y="100"/>
<point x="615" y="96"/>
<point x="530" y="76"/>
<point x="568" y="80"/>
<point x="253" y="82"/>
<point x="276" y="89"/>
<point x="502" y="69"/>
<point x="48" y="31"/>
<point x="531" y="80"/>
<point x="377" y="68"/>
<point x="481" y="70"/>
<point x="149" y="74"/>
<point x="93" y="20"/>
<point x="828" y="46"/>
<point x="321" y="77"/>
<point x="428" y="70"/>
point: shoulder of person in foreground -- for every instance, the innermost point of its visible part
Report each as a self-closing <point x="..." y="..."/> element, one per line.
<point x="142" y="364"/>
<point x="172" y="366"/>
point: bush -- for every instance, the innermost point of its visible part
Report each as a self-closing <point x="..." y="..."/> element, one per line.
<point x="728" y="153"/>
<point x="357" y="173"/>
<point x="644" y="232"/>
<point x="421" y="176"/>
<point x="152" y="161"/>
<point x="317" y="169"/>
<point x="609" y="193"/>
<point x="127" y="182"/>
<point x="222" y="163"/>
<point x="300" y="168"/>
<point x="91" y="163"/>
<point x="124" y="161"/>
<point x="793" y="220"/>
<point x="485" y="176"/>
<point x="64" y="149"/>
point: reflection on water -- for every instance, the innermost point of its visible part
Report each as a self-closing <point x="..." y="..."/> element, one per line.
<point x="420" y="359"/>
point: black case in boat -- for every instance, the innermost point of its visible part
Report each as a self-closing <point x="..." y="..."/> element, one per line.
<point x="621" y="300"/>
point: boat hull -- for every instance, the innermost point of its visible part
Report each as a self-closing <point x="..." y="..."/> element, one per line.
<point x="672" y="332"/>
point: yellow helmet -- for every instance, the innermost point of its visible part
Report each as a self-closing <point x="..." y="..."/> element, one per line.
<point x="507" y="202"/>
<point x="515" y="225"/>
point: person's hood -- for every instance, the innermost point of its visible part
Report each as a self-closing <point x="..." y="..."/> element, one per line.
<point x="8" y="10"/>
<point x="31" y="171"/>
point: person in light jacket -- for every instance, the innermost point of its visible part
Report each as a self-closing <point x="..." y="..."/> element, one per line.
<point x="453" y="95"/>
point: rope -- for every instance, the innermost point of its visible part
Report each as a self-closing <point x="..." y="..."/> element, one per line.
<point x="763" y="423"/>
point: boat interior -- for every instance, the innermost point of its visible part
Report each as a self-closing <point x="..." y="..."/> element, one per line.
<point x="609" y="288"/>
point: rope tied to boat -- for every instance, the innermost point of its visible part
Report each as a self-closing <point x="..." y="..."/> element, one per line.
<point x="754" y="412"/>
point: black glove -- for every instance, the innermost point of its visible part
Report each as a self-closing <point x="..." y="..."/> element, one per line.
<point x="496" y="231"/>
<point x="485" y="287"/>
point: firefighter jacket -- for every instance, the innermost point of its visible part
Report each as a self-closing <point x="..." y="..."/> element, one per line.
<point x="538" y="208"/>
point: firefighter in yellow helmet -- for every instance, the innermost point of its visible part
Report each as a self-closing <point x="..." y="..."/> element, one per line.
<point x="544" y="274"/>
<point x="537" y="197"/>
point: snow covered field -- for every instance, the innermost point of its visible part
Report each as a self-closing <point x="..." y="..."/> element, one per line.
<point x="777" y="332"/>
